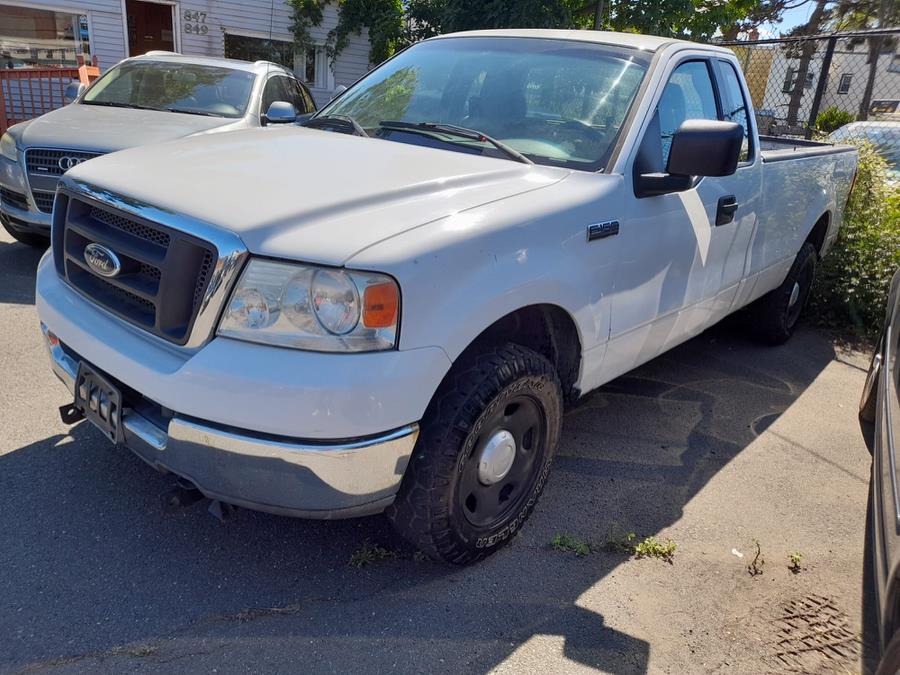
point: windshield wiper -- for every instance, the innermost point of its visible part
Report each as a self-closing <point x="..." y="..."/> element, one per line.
<point x="113" y="104"/>
<point x="342" y="123"/>
<point x="188" y="111"/>
<point x="461" y="132"/>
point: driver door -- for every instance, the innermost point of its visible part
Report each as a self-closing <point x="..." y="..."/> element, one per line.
<point x="688" y="249"/>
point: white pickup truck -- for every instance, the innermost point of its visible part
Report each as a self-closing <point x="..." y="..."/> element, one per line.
<point x="389" y="309"/>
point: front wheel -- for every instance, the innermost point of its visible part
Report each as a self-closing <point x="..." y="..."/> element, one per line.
<point x="776" y="314"/>
<point x="485" y="449"/>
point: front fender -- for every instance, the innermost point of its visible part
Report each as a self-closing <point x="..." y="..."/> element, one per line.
<point x="462" y="273"/>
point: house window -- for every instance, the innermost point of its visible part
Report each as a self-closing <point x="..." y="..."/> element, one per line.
<point x="249" y="48"/>
<point x="844" y="84"/>
<point x="788" y="85"/>
<point x="39" y="38"/>
<point x="311" y="66"/>
<point x="315" y="72"/>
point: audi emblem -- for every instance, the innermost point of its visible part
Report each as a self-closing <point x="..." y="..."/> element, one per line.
<point x="66" y="163"/>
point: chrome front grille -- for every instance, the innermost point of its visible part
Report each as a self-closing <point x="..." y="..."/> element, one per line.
<point x="45" y="166"/>
<point x="164" y="273"/>
<point x="53" y="162"/>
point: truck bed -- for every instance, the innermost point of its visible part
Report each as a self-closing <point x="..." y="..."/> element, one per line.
<point x="778" y="149"/>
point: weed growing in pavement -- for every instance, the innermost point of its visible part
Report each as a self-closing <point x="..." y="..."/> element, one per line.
<point x="756" y="565"/>
<point x="618" y="542"/>
<point x="651" y="548"/>
<point x="795" y="559"/>
<point x="369" y="555"/>
<point x="568" y="543"/>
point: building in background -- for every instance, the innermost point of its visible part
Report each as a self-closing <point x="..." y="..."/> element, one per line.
<point x="45" y="34"/>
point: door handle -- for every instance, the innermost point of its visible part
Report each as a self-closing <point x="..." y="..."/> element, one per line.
<point x="726" y="209"/>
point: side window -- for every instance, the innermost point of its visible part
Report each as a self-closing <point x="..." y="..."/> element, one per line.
<point x="689" y="95"/>
<point x="735" y="104"/>
<point x="276" y="90"/>
<point x="310" y="101"/>
<point x="297" y="97"/>
<point x="271" y="93"/>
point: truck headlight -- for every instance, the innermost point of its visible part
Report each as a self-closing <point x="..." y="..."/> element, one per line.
<point x="316" y="308"/>
<point x="8" y="146"/>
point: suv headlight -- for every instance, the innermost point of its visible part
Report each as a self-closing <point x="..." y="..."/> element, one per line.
<point x="8" y="146"/>
<point x="316" y="308"/>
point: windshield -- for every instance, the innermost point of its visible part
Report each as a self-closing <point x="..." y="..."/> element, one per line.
<point x="178" y="87"/>
<point x="557" y="102"/>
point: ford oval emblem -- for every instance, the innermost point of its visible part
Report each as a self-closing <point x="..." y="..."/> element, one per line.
<point x="101" y="260"/>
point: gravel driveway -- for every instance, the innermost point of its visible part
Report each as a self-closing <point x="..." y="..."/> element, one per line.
<point x="714" y="445"/>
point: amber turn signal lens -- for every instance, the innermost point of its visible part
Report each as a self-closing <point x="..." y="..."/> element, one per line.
<point x="380" y="305"/>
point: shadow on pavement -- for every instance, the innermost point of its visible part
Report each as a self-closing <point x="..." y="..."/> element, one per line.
<point x="91" y="561"/>
<point x="18" y="264"/>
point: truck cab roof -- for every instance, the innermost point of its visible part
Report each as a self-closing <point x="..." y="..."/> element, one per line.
<point x="649" y="43"/>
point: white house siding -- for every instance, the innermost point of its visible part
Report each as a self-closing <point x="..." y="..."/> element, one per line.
<point x="259" y="18"/>
<point x="255" y="18"/>
<point x="844" y="61"/>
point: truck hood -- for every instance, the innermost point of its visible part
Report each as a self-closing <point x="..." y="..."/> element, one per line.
<point x="305" y="194"/>
<point x="103" y="129"/>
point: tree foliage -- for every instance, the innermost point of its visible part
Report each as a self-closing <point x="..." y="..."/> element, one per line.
<point x="393" y="24"/>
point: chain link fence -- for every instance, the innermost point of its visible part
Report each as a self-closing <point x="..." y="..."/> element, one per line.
<point x="813" y="86"/>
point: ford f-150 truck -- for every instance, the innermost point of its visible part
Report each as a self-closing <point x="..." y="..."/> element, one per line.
<point x="494" y="224"/>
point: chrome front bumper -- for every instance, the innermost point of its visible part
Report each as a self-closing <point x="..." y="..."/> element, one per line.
<point x="309" y="480"/>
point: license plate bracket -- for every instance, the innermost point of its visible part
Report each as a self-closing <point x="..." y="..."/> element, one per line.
<point x="100" y="401"/>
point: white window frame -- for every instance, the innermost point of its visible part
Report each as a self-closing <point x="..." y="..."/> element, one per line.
<point x="324" y="73"/>
<point x="176" y="23"/>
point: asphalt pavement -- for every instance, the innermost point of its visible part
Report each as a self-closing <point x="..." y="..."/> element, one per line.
<point x="716" y="445"/>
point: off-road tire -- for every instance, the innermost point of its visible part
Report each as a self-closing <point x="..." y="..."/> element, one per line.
<point x="28" y="238"/>
<point x="773" y="318"/>
<point x="427" y="509"/>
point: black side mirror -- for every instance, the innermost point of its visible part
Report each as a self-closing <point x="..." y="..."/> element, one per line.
<point x="280" y="112"/>
<point x="699" y="148"/>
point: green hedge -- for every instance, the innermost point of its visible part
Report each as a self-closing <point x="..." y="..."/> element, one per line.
<point x="853" y="282"/>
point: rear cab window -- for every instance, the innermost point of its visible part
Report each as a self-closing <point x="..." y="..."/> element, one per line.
<point x="735" y="108"/>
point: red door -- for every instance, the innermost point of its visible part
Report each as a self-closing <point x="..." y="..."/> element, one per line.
<point x="150" y="26"/>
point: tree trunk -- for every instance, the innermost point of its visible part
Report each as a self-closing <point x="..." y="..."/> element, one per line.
<point x="807" y="49"/>
<point x="886" y="9"/>
<point x="874" y="53"/>
<point x="598" y="15"/>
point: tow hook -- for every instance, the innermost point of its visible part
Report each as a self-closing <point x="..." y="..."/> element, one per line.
<point x="181" y="495"/>
<point x="221" y="510"/>
<point x="69" y="414"/>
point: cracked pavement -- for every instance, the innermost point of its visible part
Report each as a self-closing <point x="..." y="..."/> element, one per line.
<point x="717" y="443"/>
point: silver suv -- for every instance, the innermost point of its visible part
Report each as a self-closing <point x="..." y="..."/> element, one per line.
<point x="156" y="97"/>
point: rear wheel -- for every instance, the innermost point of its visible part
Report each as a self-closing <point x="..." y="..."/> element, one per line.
<point x="775" y="315"/>
<point x="28" y="238"/>
<point x="485" y="449"/>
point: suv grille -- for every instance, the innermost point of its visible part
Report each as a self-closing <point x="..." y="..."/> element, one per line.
<point x="45" y="166"/>
<point x="15" y="199"/>
<point x="164" y="273"/>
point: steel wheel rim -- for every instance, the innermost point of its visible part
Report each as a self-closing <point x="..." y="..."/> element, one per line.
<point x="482" y="505"/>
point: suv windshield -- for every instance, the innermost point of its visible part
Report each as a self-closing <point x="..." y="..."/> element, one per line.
<point x="177" y="87"/>
<point x="557" y="102"/>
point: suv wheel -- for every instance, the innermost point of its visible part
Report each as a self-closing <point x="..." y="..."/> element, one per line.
<point x="483" y="455"/>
